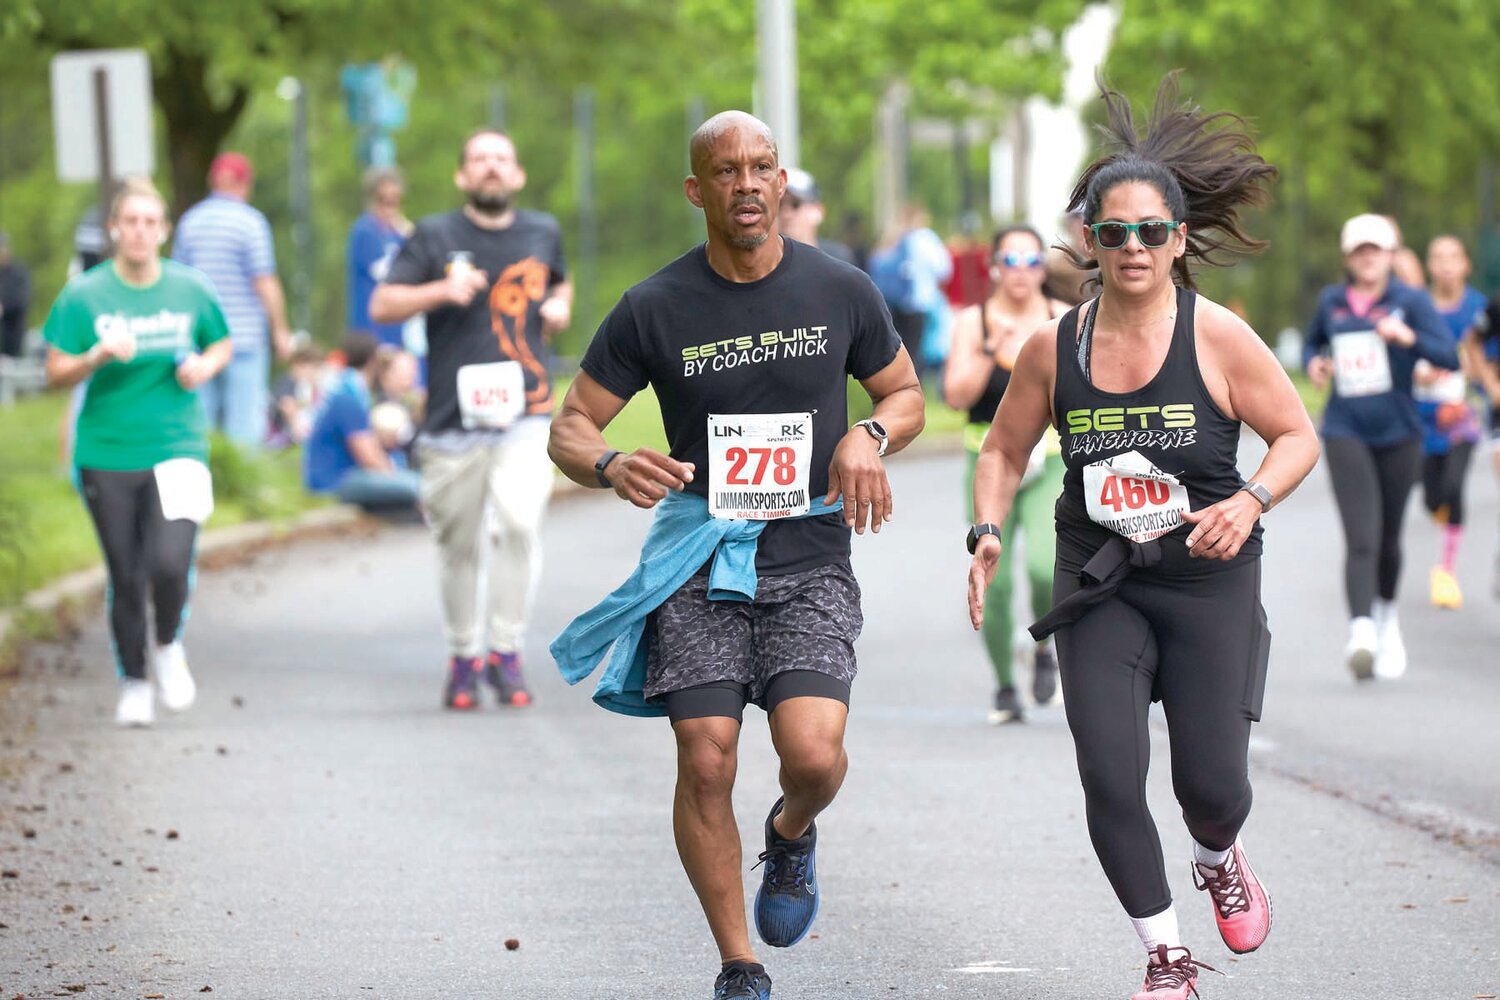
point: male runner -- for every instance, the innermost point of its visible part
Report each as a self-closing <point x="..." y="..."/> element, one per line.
<point x="490" y="278"/>
<point x="748" y="342"/>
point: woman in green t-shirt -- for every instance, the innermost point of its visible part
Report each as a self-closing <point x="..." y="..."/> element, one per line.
<point x="145" y="333"/>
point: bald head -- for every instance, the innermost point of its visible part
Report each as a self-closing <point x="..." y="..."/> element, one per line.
<point x="707" y="135"/>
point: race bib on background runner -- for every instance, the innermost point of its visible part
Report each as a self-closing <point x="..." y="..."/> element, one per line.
<point x="1361" y="364"/>
<point x="492" y="396"/>
<point x="1131" y="497"/>
<point x="758" y="465"/>
<point x="1035" y="462"/>
<point x="1448" y="387"/>
<point x="185" y="488"/>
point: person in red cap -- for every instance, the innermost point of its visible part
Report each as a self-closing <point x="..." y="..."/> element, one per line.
<point x="230" y="241"/>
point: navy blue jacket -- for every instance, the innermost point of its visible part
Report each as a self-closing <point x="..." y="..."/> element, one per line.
<point x="1385" y="418"/>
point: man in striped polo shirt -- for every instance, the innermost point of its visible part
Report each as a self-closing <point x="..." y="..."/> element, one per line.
<point x="230" y="241"/>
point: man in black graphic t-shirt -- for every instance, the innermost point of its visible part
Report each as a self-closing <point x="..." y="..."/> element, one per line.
<point x="491" y="280"/>
<point x="748" y="342"/>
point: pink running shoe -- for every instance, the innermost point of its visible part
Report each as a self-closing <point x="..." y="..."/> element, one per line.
<point x="1241" y="907"/>
<point x="1171" y="974"/>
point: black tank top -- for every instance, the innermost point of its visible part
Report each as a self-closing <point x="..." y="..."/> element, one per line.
<point x="983" y="410"/>
<point x="1171" y="420"/>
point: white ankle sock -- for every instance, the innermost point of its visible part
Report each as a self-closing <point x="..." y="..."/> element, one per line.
<point x="1208" y="858"/>
<point x="1158" y="929"/>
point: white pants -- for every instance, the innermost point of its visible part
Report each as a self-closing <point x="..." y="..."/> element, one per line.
<point x="485" y="507"/>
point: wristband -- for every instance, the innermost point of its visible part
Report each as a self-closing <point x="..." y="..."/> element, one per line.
<point x="601" y="465"/>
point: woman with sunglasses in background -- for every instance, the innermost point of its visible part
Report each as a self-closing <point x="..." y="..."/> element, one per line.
<point x="146" y="333"/>
<point x="1157" y="583"/>
<point x="986" y="339"/>
<point x="1365" y="340"/>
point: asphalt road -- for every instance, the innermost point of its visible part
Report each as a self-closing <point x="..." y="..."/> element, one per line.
<point x="318" y="827"/>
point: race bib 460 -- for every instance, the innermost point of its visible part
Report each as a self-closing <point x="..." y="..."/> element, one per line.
<point x="758" y="465"/>
<point x="1131" y="497"/>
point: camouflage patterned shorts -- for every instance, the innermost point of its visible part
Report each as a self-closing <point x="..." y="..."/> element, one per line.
<point x="801" y="621"/>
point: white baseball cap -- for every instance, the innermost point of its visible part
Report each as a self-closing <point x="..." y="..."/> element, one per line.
<point x="1375" y="230"/>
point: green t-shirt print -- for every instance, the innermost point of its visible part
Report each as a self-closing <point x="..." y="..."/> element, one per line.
<point x="135" y="414"/>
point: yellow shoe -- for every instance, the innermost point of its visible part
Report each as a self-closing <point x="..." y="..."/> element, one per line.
<point x="1445" y="589"/>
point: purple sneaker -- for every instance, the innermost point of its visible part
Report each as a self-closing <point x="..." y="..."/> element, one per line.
<point x="462" y="690"/>
<point x="502" y="671"/>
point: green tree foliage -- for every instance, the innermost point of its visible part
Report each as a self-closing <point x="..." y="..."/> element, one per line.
<point x="1370" y="105"/>
<point x="651" y="64"/>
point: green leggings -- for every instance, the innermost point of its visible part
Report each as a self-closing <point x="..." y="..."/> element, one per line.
<point x="1031" y="520"/>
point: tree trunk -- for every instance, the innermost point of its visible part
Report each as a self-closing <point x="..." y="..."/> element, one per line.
<point x="196" y="126"/>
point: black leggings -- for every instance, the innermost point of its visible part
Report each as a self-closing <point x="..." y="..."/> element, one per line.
<point x="1371" y="486"/>
<point x="1199" y="644"/>
<point x="141" y="549"/>
<point x="1443" y="481"/>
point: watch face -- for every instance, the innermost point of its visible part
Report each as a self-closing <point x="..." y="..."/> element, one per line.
<point x="878" y="428"/>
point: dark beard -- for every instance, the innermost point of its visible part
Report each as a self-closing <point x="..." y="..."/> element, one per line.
<point x="489" y="204"/>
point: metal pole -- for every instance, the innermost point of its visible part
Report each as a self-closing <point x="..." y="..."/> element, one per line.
<point x="106" y="162"/>
<point x="891" y="168"/>
<point x="588" y="218"/>
<point x="777" y="65"/>
<point x="301" y="204"/>
<point x="497" y="107"/>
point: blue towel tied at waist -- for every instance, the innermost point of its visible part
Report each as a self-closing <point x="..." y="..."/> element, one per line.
<point x="682" y="538"/>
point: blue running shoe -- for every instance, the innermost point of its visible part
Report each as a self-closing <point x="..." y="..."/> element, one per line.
<point x="743" y="981"/>
<point x="787" y="900"/>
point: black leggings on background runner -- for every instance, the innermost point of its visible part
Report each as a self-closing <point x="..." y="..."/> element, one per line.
<point x="1371" y="486"/>
<point x="1443" y="481"/>
<point x="142" y="551"/>
<point x="1200" y="645"/>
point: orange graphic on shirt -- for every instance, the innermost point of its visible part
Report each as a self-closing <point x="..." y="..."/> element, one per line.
<point x="520" y="285"/>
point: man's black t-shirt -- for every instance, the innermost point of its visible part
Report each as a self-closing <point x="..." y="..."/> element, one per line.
<point x="784" y="344"/>
<point x="523" y="261"/>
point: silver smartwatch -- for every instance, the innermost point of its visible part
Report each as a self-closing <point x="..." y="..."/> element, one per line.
<point x="877" y="431"/>
<point x="1260" y="493"/>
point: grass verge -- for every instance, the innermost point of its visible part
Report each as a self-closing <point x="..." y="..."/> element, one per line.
<point x="45" y="531"/>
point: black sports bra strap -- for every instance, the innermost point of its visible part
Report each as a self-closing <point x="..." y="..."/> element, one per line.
<point x="1086" y="340"/>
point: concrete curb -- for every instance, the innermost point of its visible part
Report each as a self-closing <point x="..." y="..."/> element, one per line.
<point x="88" y="584"/>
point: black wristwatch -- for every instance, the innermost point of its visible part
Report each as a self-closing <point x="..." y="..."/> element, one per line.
<point x="978" y="530"/>
<point x="601" y="465"/>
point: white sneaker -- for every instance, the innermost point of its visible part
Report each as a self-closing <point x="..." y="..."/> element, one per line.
<point x="1359" y="653"/>
<point x="1390" y="660"/>
<point x="137" y="704"/>
<point x="173" y="678"/>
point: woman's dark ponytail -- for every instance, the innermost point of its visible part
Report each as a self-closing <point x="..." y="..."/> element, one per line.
<point x="1205" y="166"/>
